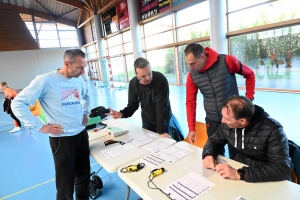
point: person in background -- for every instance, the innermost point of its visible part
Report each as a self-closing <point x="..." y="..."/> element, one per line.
<point x="10" y="94"/>
<point x="151" y="89"/>
<point x="274" y="59"/>
<point x="215" y="76"/>
<point x="258" y="139"/>
<point x="288" y="59"/>
<point x="64" y="99"/>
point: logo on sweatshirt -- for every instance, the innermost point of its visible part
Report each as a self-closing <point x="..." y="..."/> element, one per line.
<point x="70" y="96"/>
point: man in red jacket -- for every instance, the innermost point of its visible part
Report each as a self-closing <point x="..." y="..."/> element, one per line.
<point x="214" y="75"/>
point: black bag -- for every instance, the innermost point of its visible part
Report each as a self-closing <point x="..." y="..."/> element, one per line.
<point x="6" y="105"/>
<point x="175" y="129"/>
<point x="99" y="111"/>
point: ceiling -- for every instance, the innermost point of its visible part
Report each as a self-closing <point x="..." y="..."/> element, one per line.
<point x="62" y="11"/>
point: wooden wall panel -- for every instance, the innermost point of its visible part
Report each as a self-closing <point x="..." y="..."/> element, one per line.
<point x="14" y="34"/>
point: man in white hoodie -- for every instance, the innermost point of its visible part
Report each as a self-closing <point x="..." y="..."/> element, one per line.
<point x="64" y="98"/>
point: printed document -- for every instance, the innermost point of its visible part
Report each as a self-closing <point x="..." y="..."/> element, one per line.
<point x="188" y="187"/>
<point x="198" y="168"/>
<point x="159" y="144"/>
<point x="144" y="139"/>
<point x="116" y="150"/>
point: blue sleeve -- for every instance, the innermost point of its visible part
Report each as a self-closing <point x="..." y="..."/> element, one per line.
<point x="85" y="100"/>
<point x="26" y="97"/>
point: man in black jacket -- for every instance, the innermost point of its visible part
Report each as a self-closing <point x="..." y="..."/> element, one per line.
<point x="259" y="141"/>
<point x="151" y="89"/>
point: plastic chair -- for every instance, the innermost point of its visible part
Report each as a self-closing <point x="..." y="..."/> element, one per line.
<point x="201" y="133"/>
<point x="294" y="176"/>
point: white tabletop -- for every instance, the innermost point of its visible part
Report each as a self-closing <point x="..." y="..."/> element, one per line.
<point x="224" y="188"/>
<point x="97" y="140"/>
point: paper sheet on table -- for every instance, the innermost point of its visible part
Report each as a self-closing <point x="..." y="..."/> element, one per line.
<point x="188" y="187"/>
<point x="144" y="139"/>
<point x="159" y="144"/>
<point x="175" y="152"/>
<point x="152" y="160"/>
<point x="198" y="168"/>
<point x="116" y="150"/>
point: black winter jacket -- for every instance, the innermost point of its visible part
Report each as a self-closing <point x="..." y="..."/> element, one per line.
<point x="262" y="145"/>
<point x="154" y="99"/>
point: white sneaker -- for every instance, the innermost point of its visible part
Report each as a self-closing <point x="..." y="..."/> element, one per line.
<point x="15" y="130"/>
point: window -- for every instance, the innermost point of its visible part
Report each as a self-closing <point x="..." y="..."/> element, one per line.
<point x="163" y="61"/>
<point x="127" y="36"/>
<point x="158" y="26"/>
<point x="273" y="12"/>
<point x="31" y="28"/>
<point x="256" y="54"/>
<point x="193" y="31"/>
<point x="129" y="64"/>
<point x="193" y="14"/>
<point x="118" y="69"/>
<point x="114" y="41"/>
<point x="159" y="39"/>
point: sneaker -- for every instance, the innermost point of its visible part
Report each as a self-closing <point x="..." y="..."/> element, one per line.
<point x="16" y="129"/>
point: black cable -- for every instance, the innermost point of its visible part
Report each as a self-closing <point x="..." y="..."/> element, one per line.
<point x="156" y="188"/>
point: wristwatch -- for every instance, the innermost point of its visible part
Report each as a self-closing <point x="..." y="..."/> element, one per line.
<point x="241" y="172"/>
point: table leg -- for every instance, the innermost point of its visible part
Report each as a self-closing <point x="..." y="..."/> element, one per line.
<point x="128" y="192"/>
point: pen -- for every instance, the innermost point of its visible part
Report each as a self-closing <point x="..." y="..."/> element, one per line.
<point x="129" y="140"/>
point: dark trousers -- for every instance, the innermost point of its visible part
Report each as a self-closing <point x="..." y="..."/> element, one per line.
<point x="212" y="127"/>
<point x="72" y="165"/>
<point x="15" y="118"/>
<point x="152" y="127"/>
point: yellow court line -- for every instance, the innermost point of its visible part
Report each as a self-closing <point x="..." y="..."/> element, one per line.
<point x="27" y="189"/>
<point x="32" y="187"/>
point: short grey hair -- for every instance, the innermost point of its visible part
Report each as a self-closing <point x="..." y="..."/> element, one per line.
<point x="140" y="63"/>
<point x="71" y="54"/>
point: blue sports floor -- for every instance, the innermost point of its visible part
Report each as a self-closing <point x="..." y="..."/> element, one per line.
<point x="26" y="165"/>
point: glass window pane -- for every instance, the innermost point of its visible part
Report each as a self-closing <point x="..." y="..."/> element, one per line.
<point x="115" y="50"/>
<point x="67" y="34"/>
<point x="238" y="4"/>
<point x="113" y="41"/>
<point x="278" y="11"/>
<point x="184" y="68"/>
<point x="92" y="55"/>
<point x="48" y="43"/>
<point x="270" y="58"/>
<point x="47" y="35"/>
<point x="128" y="47"/>
<point x="33" y="34"/>
<point x="127" y="36"/>
<point x="163" y="61"/>
<point x="117" y="69"/>
<point x="65" y="27"/>
<point x="69" y="43"/>
<point x="45" y="27"/>
<point x="129" y="64"/>
<point x="158" y="25"/>
<point x="193" y="14"/>
<point x="159" y="39"/>
<point x="91" y="48"/>
<point x="30" y="26"/>
<point x="194" y="31"/>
